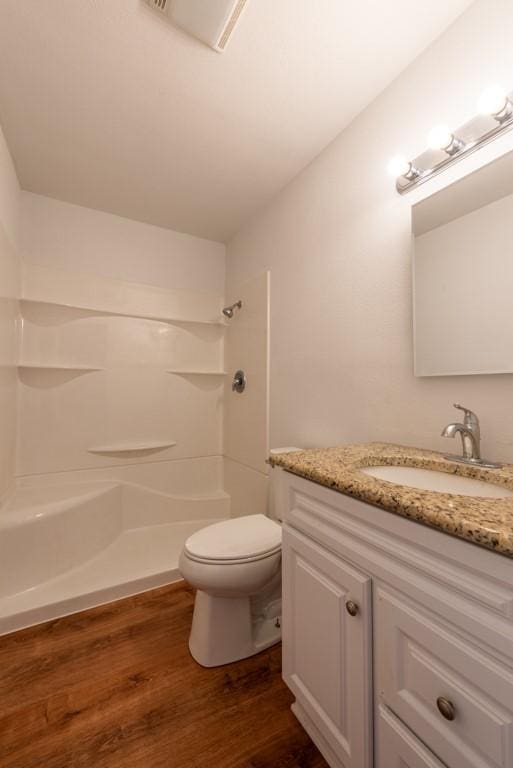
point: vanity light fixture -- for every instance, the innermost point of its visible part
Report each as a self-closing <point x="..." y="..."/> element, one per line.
<point x="495" y="102"/>
<point x="495" y="117"/>
<point x="400" y="166"/>
<point x="440" y="137"/>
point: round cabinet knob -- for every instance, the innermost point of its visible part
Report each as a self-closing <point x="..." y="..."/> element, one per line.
<point x="352" y="608"/>
<point x="446" y="708"/>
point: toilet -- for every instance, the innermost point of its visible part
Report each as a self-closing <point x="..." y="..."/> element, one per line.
<point x="235" y="566"/>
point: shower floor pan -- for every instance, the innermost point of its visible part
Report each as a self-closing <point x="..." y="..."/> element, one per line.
<point x="67" y="548"/>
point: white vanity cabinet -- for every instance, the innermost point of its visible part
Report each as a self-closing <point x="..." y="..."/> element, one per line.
<point x="397" y="638"/>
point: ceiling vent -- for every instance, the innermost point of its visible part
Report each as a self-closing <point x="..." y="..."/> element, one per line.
<point x="211" y="21"/>
<point x="159" y="4"/>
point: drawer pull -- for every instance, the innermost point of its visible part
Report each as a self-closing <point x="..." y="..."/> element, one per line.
<point x="446" y="708"/>
<point x="352" y="608"/>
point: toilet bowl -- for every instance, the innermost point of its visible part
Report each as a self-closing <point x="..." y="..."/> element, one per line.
<point x="235" y="567"/>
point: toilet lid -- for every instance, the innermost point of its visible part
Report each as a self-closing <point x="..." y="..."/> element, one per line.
<point x="243" y="538"/>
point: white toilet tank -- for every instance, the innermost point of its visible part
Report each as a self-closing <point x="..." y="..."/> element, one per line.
<point x="274" y="484"/>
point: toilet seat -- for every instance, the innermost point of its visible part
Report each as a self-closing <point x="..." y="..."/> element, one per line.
<point x="241" y="540"/>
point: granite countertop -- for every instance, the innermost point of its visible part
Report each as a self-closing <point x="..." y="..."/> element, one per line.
<point x="487" y="522"/>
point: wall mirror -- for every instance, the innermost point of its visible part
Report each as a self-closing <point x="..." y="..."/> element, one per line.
<point x="463" y="275"/>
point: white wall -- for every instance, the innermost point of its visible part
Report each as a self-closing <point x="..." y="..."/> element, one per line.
<point x="9" y="289"/>
<point x="338" y="243"/>
<point x="97" y="290"/>
<point x="65" y="236"/>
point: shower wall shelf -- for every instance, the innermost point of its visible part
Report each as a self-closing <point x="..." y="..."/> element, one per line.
<point x="57" y="368"/>
<point x="44" y="367"/>
<point x="110" y="313"/>
<point x="132" y="447"/>
<point x="196" y="373"/>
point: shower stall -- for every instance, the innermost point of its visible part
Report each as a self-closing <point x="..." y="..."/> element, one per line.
<point x="123" y="424"/>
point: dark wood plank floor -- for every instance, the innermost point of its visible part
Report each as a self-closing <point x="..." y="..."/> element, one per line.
<point x="115" y="687"/>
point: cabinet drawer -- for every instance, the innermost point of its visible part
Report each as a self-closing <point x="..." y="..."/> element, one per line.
<point x="419" y="662"/>
<point x="397" y="747"/>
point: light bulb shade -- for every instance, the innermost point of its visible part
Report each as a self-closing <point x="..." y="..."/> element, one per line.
<point x="440" y="137"/>
<point x="399" y="166"/>
<point x="493" y="100"/>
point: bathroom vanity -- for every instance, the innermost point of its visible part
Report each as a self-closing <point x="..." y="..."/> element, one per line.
<point x="397" y="611"/>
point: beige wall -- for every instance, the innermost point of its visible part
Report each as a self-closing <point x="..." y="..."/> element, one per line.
<point x="337" y="241"/>
<point x="9" y="288"/>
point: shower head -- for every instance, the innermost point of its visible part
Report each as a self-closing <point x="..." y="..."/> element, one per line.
<point x="228" y="311"/>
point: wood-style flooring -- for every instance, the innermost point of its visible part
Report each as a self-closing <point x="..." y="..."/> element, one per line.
<point x="115" y="687"/>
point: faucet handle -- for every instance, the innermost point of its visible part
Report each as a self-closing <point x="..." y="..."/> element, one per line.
<point x="470" y="419"/>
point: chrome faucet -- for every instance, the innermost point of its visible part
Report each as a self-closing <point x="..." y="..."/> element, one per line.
<point x="470" y="434"/>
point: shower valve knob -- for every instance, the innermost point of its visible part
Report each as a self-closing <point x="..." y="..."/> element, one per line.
<point x="239" y="382"/>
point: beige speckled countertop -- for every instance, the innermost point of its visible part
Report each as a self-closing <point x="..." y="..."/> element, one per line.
<point x="487" y="522"/>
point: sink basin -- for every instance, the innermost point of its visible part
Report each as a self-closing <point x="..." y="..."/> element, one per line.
<point x="431" y="480"/>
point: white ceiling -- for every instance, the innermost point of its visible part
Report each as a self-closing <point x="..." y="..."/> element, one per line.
<point x="106" y="105"/>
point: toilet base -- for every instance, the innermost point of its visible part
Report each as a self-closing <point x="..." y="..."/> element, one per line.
<point x="227" y="629"/>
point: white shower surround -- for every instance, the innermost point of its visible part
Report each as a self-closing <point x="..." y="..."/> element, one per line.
<point x="94" y="372"/>
<point x="120" y="386"/>
<point x="67" y="545"/>
<point x="118" y="461"/>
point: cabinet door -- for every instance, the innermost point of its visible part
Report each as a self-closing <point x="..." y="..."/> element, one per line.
<point x="326" y="650"/>
<point x="397" y="747"/>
